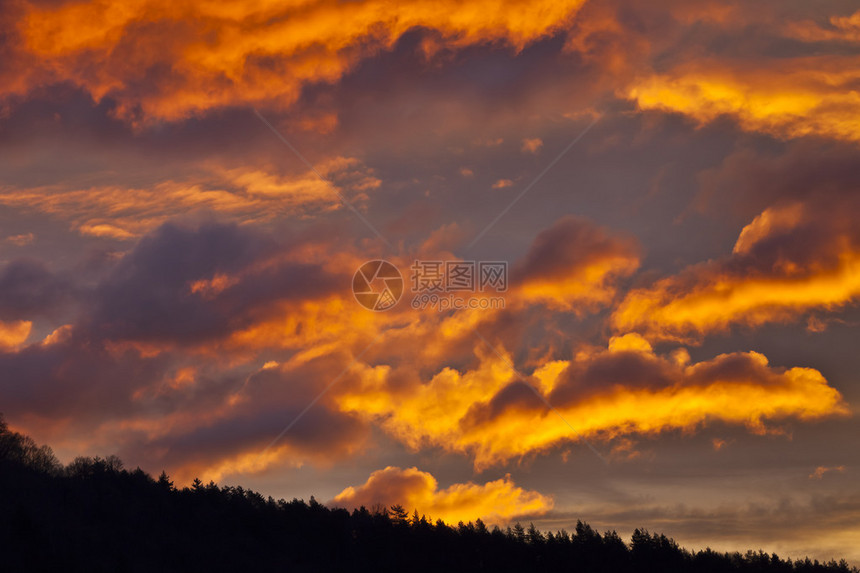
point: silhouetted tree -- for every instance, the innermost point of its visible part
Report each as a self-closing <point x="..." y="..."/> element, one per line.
<point x="164" y="481"/>
<point x="534" y="536"/>
<point x="399" y="515"/>
<point x="480" y="527"/>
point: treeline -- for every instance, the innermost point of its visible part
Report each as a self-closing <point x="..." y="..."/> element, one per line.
<point x="94" y="515"/>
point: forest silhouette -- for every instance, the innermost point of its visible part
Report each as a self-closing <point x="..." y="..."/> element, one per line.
<point x="94" y="515"/>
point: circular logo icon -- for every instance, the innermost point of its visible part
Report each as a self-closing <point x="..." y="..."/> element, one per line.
<point x="377" y="285"/>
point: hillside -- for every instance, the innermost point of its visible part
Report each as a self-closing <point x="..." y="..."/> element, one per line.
<point x="94" y="515"/>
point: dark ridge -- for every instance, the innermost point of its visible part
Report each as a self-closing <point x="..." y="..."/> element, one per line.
<point x="93" y="516"/>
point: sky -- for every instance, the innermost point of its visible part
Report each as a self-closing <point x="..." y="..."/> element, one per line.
<point x="188" y="189"/>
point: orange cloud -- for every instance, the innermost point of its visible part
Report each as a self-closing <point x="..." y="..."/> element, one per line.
<point x="788" y="260"/>
<point x="806" y="90"/>
<point x="600" y="394"/>
<point x="59" y="335"/>
<point x="574" y="265"/>
<point x="21" y="240"/>
<point x="243" y="463"/>
<point x="14" y="334"/>
<point x="496" y="502"/>
<point x="483" y="410"/>
<point x="203" y="55"/>
<point x="786" y="97"/>
<point x="821" y="470"/>
<point x="246" y="194"/>
<point x="803" y="96"/>
<point x="315" y="327"/>
<point x="532" y="146"/>
<point x="210" y="288"/>
<point x="845" y="28"/>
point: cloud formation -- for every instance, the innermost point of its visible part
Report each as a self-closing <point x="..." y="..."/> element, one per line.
<point x="821" y="470"/>
<point x="14" y="334"/>
<point x="626" y="389"/>
<point x="29" y="289"/>
<point x="250" y="195"/>
<point x="159" y="61"/>
<point x="789" y="73"/>
<point x="495" y="502"/>
<point x="172" y="290"/>
<point x="574" y="265"/>
<point x="790" y="259"/>
<point x="804" y="96"/>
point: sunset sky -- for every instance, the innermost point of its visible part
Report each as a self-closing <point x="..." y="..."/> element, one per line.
<point x="188" y="187"/>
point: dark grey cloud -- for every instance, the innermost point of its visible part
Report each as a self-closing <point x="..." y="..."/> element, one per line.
<point x="754" y="177"/>
<point x="148" y="295"/>
<point x="29" y="289"/>
<point x="86" y="375"/>
<point x="569" y="245"/>
<point x="263" y="406"/>
<point x="74" y="380"/>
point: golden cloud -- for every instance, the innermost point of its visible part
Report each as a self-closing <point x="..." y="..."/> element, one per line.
<point x="242" y="463"/>
<point x="600" y="394"/>
<point x="788" y="260"/>
<point x="484" y="411"/>
<point x="574" y="265"/>
<point x="786" y="97"/>
<point x="804" y="96"/>
<point x="496" y="502"/>
<point x="160" y="61"/>
<point x="807" y="90"/>
<point x="165" y="60"/>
